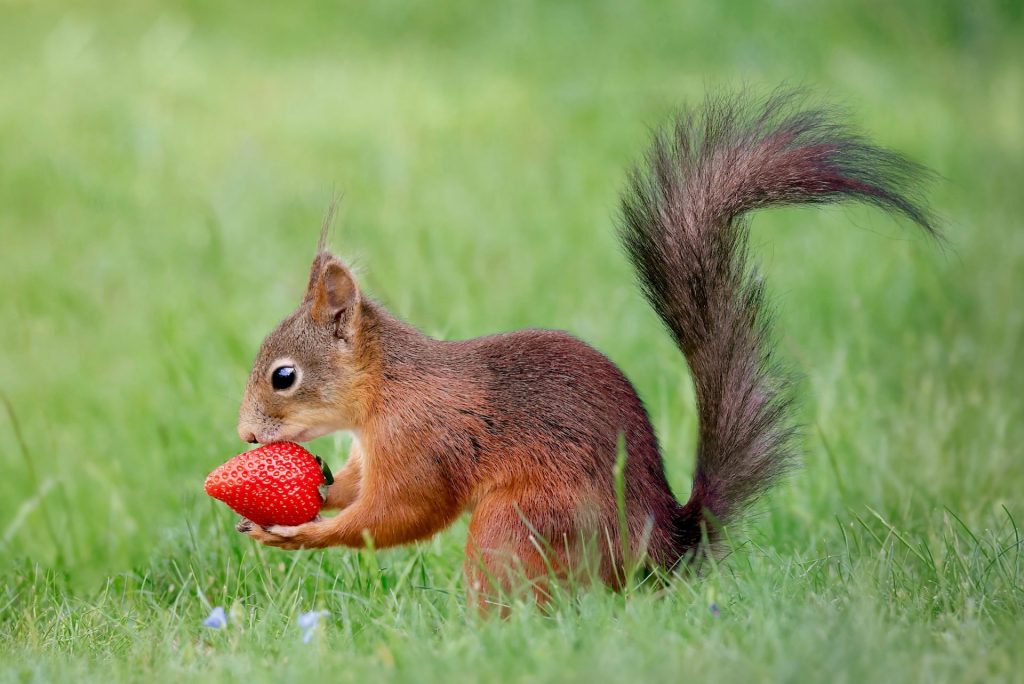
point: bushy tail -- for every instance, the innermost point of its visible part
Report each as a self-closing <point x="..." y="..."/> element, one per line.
<point x="683" y="227"/>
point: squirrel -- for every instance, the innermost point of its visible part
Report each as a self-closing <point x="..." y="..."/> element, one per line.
<point x="524" y="429"/>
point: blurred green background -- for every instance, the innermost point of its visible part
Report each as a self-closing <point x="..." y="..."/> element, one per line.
<point x="164" y="168"/>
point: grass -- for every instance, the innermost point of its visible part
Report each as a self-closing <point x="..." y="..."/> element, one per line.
<point x="163" y="172"/>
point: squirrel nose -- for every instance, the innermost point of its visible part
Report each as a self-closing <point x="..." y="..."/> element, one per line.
<point x="246" y="435"/>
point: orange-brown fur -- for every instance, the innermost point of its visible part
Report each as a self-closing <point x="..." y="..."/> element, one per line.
<point x="437" y="441"/>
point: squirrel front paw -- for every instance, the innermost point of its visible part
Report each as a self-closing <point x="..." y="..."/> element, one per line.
<point x="311" y="535"/>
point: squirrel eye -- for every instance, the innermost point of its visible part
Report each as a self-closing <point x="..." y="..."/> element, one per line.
<point x="283" y="377"/>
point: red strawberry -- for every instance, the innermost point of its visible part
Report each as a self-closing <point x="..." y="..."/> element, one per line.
<point x="276" y="484"/>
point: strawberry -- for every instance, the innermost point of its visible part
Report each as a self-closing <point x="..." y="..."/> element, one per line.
<point x="277" y="484"/>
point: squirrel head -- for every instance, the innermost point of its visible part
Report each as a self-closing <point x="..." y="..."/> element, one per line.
<point x="309" y="378"/>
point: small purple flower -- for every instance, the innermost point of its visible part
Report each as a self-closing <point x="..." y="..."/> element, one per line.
<point x="217" y="619"/>
<point x="308" y="621"/>
<point x="714" y="609"/>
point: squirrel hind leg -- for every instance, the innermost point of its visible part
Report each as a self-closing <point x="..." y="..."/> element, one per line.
<point x="525" y="543"/>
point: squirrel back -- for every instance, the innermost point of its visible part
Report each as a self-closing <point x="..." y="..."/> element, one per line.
<point x="683" y="225"/>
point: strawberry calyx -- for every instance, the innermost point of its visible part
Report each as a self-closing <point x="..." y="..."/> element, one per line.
<point x="328" y="477"/>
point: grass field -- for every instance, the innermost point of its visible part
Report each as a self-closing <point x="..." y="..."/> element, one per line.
<point x="163" y="172"/>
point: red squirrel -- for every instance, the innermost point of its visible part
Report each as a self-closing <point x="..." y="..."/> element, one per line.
<point x="523" y="428"/>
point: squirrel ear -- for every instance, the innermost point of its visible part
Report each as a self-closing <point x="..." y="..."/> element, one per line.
<point x="315" y="269"/>
<point x="333" y="293"/>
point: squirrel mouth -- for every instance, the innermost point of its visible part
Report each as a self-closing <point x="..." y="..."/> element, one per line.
<point x="297" y="435"/>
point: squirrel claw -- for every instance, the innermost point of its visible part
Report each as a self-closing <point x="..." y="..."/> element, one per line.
<point x="244" y="526"/>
